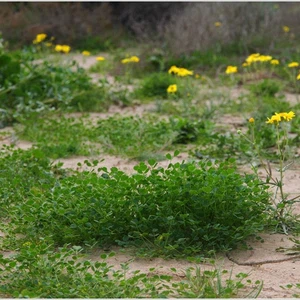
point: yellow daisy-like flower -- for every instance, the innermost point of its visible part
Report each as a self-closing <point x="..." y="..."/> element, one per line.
<point x="245" y="64"/>
<point x="58" y="48"/>
<point x="278" y="117"/>
<point x="172" y="88"/>
<point x="130" y="59"/>
<point x="173" y="70"/>
<point x="286" y="28"/>
<point x="251" y="120"/>
<point x="274" y="62"/>
<point x="298" y="76"/>
<point x="134" y="59"/>
<point x="39" y="38"/>
<point x="218" y="24"/>
<point x="293" y="64"/>
<point x="184" y="72"/>
<point x="86" y="53"/>
<point x="62" y="48"/>
<point x="231" y="69"/>
<point x="66" y="48"/>
<point x="180" y="71"/>
<point x="100" y="58"/>
<point x="264" y="58"/>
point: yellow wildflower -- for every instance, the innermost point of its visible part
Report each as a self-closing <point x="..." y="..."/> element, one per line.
<point x="251" y="120"/>
<point x="180" y="71"/>
<point x="172" y="88"/>
<point x="197" y="76"/>
<point x="62" y="48"/>
<point x="264" y="58"/>
<point x="100" y="58"/>
<point x="298" y="76"/>
<point x="293" y="64"/>
<point x="66" y="48"/>
<point x="274" y="62"/>
<point x="231" y="69"/>
<point x="130" y="59"/>
<point x="173" y="70"/>
<point x="39" y="38"/>
<point x="86" y="53"/>
<point x="245" y="64"/>
<point x="58" y="48"/>
<point x="134" y="59"/>
<point x="184" y="72"/>
<point x="218" y="24"/>
<point x="285" y="28"/>
<point x="278" y="117"/>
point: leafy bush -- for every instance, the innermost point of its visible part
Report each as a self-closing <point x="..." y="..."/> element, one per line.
<point x="185" y="208"/>
<point x="155" y="85"/>
<point x="28" y="87"/>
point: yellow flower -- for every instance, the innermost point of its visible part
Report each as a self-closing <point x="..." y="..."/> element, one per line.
<point x="231" y="69"/>
<point x="86" y="53"/>
<point x="285" y="28"/>
<point x="245" y="64"/>
<point x="173" y="70"/>
<point x="62" y="48"/>
<point x="197" y="76"/>
<point x="49" y="44"/>
<point x="184" y="72"/>
<point x="251" y="120"/>
<point x="180" y="71"/>
<point x="100" y="58"/>
<point x="278" y="117"/>
<point x="39" y="38"/>
<point x="298" y="76"/>
<point x="274" y="62"/>
<point x="293" y="64"/>
<point x="252" y="58"/>
<point x="58" y="48"/>
<point x="130" y="59"/>
<point x="265" y="58"/>
<point x="172" y="88"/>
<point x="218" y="24"/>
<point x="134" y="59"/>
<point x="65" y="49"/>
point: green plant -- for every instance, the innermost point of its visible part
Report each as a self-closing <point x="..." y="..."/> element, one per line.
<point x="30" y="87"/>
<point x="58" y="136"/>
<point x="280" y="201"/>
<point x="210" y="284"/>
<point x="293" y="287"/>
<point x="184" y="208"/>
<point x="266" y="88"/>
<point x="39" y="271"/>
<point x="155" y="85"/>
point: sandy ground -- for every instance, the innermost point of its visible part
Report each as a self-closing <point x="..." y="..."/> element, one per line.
<point x="264" y="262"/>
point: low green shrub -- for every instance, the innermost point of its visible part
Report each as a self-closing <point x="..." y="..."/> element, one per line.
<point x="184" y="208"/>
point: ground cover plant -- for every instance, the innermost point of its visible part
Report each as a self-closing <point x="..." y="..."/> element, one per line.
<point x="198" y="207"/>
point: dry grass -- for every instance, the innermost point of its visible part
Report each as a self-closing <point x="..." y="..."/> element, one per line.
<point x="67" y="22"/>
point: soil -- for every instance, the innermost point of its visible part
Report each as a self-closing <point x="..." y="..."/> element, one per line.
<point x="263" y="262"/>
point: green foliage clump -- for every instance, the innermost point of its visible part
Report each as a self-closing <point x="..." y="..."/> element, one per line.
<point x="155" y="85"/>
<point x="58" y="137"/>
<point x="27" y="86"/>
<point x="39" y="271"/>
<point x="184" y="208"/>
<point x="266" y="88"/>
<point x="134" y="136"/>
